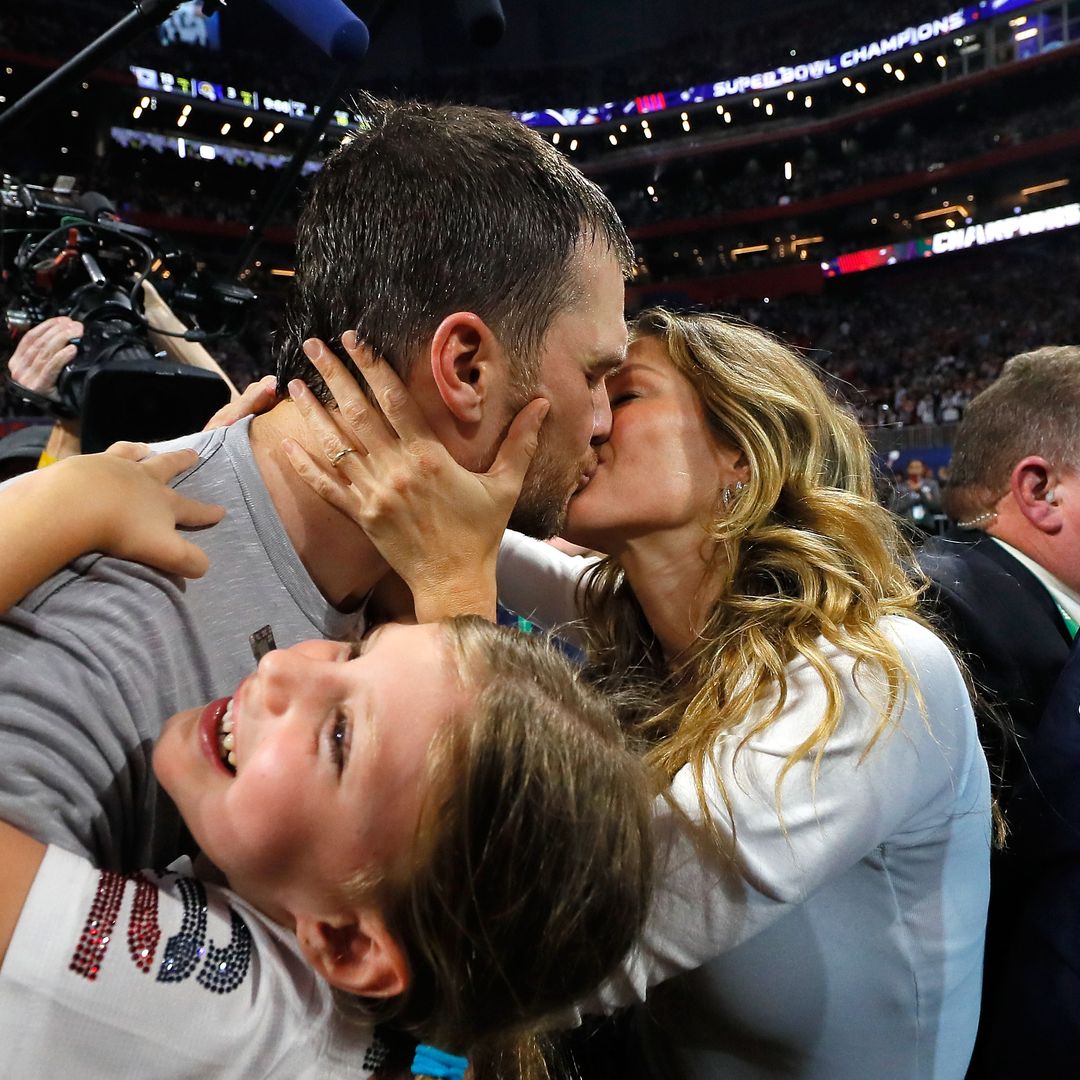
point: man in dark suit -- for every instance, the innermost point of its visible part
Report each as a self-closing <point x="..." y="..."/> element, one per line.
<point x="1006" y="584"/>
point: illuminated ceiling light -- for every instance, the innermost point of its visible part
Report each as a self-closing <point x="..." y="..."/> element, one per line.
<point x="281" y="272"/>
<point x="757" y="103"/>
<point x="860" y="87"/>
<point x="768" y="109"/>
<point x="1031" y="32"/>
<point x="648" y="133"/>
<point x="787" y="170"/>
<point x="145" y="103"/>
<point x="917" y="57"/>
<point x="268" y="136"/>
<point x="846" y="80"/>
<point x="651" y="190"/>
<point x="736" y="252"/>
<point x="1018" y="21"/>
<point x="279" y="128"/>
<point x="803" y="241"/>
<point x="727" y="118"/>
<point x="949" y="223"/>
<point x="899" y="74"/>
<point x="226" y="128"/>
<point x="948" y="208"/>
<point x="791" y="95"/>
<point x="613" y="140"/>
<point x="181" y="120"/>
<point x="247" y="121"/>
<point x="644" y="123"/>
<point x="809" y="101"/>
<point x="941" y="61"/>
<point x="719" y="110"/>
<point x="1043" y="187"/>
<point x="573" y="144"/>
<point x="886" y="67"/>
<point x="555" y="139"/>
<point x="186" y="110"/>
<point x="683" y="116"/>
<point x="686" y="125"/>
<point x="136" y="112"/>
<point x="622" y="128"/>
<point x="75" y="114"/>
<point x="873" y="221"/>
<point x="63" y="149"/>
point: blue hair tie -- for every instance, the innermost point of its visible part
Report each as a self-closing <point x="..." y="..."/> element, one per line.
<point x="430" y="1061"/>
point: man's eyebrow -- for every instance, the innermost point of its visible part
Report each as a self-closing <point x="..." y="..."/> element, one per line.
<point x="608" y="362"/>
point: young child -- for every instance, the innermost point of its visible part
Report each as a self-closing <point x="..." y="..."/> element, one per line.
<point x="438" y="827"/>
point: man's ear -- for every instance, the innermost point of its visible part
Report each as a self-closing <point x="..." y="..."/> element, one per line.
<point x="355" y="952"/>
<point x="1032" y="485"/>
<point x="466" y="361"/>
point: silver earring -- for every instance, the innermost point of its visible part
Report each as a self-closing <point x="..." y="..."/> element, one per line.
<point x="730" y="491"/>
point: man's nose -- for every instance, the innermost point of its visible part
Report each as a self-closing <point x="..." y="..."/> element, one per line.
<point x="601" y="429"/>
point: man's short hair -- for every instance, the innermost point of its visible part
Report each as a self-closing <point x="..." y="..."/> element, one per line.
<point x="1032" y="408"/>
<point x="431" y="209"/>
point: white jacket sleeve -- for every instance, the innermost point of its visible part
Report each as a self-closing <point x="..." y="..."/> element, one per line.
<point x="915" y="780"/>
<point x="539" y="583"/>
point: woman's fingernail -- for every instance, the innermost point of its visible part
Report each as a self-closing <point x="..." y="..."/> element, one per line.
<point x="313" y="348"/>
<point x="348" y="339"/>
<point x="296" y="388"/>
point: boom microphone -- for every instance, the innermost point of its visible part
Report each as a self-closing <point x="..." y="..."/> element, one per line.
<point x="329" y="24"/>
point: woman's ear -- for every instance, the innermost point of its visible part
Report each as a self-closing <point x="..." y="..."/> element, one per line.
<point x="466" y="360"/>
<point x="355" y="952"/>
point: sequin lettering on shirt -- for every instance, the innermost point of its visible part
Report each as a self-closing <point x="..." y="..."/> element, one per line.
<point x="187" y="947"/>
<point x="98" y="929"/>
<point x="144" y="933"/>
<point x="221" y="969"/>
<point x="225" y="969"/>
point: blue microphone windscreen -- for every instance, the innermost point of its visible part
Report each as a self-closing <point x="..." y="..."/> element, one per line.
<point x="329" y="24"/>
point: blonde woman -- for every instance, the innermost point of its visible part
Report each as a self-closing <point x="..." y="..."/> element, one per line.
<point x="826" y="836"/>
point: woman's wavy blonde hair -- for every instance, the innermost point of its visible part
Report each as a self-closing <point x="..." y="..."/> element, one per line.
<point x="803" y="553"/>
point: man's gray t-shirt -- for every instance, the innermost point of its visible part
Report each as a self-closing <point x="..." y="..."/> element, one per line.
<point x="93" y="661"/>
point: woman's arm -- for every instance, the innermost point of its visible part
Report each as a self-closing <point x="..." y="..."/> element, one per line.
<point x="111" y="502"/>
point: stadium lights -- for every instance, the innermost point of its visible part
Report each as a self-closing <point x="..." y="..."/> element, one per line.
<point x="268" y="136"/>
<point x="917" y="57"/>
<point x="950" y="223"/>
<point x="573" y="144"/>
<point x="186" y="110"/>
<point x="787" y="170"/>
<point x="727" y="118"/>
<point x="1020" y="20"/>
<point x="248" y="121"/>
<point x="941" y="61"/>
<point x="136" y="112"/>
<point x="809" y="101"/>
<point x="803" y="241"/>
<point x="181" y="120"/>
<point x="613" y="140"/>
<point x="651" y="190"/>
<point x="1044" y="187"/>
<point x="226" y="128"/>
<point x="873" y="221"/>
<point x="622" y="128"/>
<point x="887" y="67"/>
<point x="647" y="132"/>
<point x="950" y="209"/>
<point x="686" y="125"/>
<point x="555" y="139"/>
<point x="899" y="74"/>
<point x="846" y="80"/>
<point x="736" y="252"/>
<point x="1030" y="32"/>
<point x="860" y="87"/>
<point x="145" y="103"/>
<point x="791" y="95"/>
<point x="768" y="109"/>
<point x="278" y="271"/>
<point x="757" y="103"/>
<point x="279" y="128"/>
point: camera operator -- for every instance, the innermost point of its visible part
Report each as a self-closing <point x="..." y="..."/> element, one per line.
<point x="44" y="350"/>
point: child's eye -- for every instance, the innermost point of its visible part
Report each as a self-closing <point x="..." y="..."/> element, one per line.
<point x="339" y="741"/>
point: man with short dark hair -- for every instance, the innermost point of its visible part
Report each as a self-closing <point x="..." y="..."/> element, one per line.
<point x="488" y="271"/>
<point x="1006" y="581"/>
